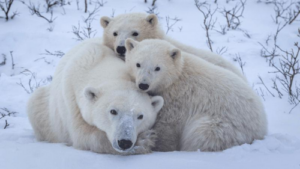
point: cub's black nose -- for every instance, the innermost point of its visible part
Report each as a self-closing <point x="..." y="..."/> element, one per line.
<point x="121" y="50"/>
<point x="124" y="144"/>
<point x="143" y="86"/>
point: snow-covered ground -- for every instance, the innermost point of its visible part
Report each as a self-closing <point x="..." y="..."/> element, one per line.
<point x="27" y="38"/>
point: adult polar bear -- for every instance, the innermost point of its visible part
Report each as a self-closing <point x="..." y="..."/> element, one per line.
<point x="206" y="107"/>
<point x="91" y="105"/>
<point x="140" y="26"/>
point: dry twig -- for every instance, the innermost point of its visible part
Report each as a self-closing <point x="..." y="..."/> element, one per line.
<point x="209" y="21"/>
<point x="5" y="7"/>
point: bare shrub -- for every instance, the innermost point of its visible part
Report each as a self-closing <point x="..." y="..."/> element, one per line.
<point x="284" y="62"/>
<point x="294" y="13"/>
<point x="286" y="11"/>
<point x="234" y="15"/>
<point x="283" y="11"/>
<point x="92" y="14"/>
<point x="152" y="10"/>
<point x="288" y="68"/>
<point x="171" y="22"/>
<point x="209" y="20"/>
<point x="33" y="83"/>
<point x="4" y="112"/>
<point x="5" y="7"/>
<point x="58" y="54"/>
<point x="35" y="10"/>
<point x="85" y="32"/>
<point x="270" y="54"/>
<point x="239" y="60"/>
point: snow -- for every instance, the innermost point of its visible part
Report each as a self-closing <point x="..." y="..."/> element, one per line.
<point x="27" y="36"/>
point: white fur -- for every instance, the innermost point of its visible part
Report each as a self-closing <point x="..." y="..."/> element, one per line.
<point x="206" y="107"/>
<point x="147" y="27"/>
<point x="76" y="107"/>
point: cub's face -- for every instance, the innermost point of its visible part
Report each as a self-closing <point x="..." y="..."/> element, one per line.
<point x="122" y="115"/>
<point x="153" y="64"/>
<point x="138" y="26"/>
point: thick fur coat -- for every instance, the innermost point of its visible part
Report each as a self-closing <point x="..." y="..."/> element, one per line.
<point x="206" y="106"/>
<point x="92" y="105"/>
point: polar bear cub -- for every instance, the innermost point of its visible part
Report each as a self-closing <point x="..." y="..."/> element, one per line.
<point x="92" y="105"/>
<point x="140" y="26"/>
<point x="206" y="107"/>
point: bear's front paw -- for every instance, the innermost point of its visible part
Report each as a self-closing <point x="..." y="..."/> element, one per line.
<point x="146" y="140"/>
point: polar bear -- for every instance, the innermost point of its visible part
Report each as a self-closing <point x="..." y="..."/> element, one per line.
<point x="92" y="105"/>
<point x="140" y="26"/>
<point x="206" y="107"/>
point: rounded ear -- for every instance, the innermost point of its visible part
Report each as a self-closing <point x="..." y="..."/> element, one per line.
<point x="130" y="44"/>
<point x="91" y="93"/>
<point x="175" y="54"/>
<point x="105" y="21"/>
<point x="152" y="19"/>
<point x="157" y="103"/>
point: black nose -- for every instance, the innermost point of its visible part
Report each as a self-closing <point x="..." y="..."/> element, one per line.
<point x="143" y="86"/>
<point x="121" y="50"/>
<point x="124" y="144"/>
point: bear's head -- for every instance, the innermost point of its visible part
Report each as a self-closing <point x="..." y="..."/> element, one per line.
<point x="138" y="26"/>
<point x="153" y="64"/>
<point x="121" y="114"/>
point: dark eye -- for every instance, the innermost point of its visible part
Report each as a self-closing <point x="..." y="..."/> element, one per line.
<point x="138" y="65"/>
<point x="115" y="34"/>
<point x="113" y="112"/>
<point x="135" y="34"/>
<point x="140" y="117"/>
<point x="157" y="68"/>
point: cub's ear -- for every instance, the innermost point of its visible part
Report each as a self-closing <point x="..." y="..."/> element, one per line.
<point x="130" y="44"/>
<point x="91" y="93"/>
<point x="152" y="19"/>
<point x="157" y="103"/>
<point x="175" y="54"/>
<point x="105" y="21"/>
